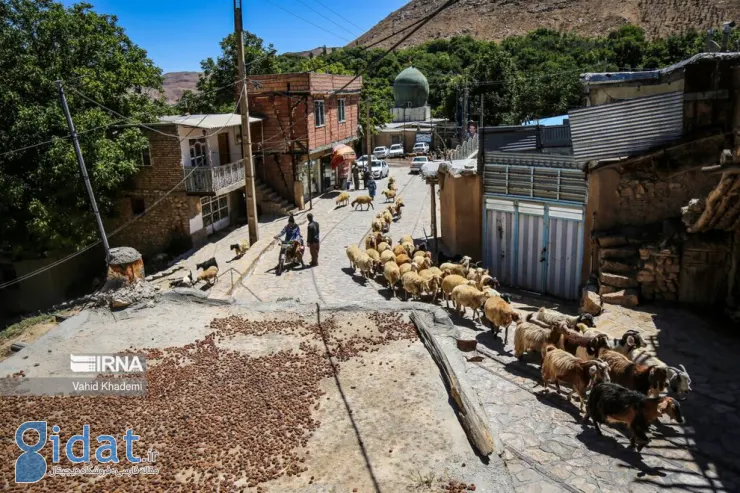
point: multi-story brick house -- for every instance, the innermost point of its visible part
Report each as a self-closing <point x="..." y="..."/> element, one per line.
<point x="304" y="115"/>
<point x="199" y="157"/>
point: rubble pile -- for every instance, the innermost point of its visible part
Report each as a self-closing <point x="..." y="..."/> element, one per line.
<point x="218" y="419"/>
<point x="121" y="296"/>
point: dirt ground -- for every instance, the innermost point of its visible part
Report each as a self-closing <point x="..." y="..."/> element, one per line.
<point x="380" y="418"/>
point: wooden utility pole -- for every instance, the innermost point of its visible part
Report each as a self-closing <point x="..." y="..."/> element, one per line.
<point x="249" y="188"/>
<point x="367" y="133"/>
<point x="434" y="218"/>
<point x="83" y="171"/>
<point x="480" y="124"/>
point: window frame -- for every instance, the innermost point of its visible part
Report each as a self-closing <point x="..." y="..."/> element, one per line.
<point x="341" y="105"/>
<point x="148" y="151"/>
<point x="316" y="104"/>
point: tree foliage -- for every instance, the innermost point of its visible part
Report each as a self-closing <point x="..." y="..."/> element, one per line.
<point x="44" y="203"/>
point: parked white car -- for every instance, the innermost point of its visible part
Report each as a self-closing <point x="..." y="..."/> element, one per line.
<point x="396" y="151"/>
<point x="380" y="169"/>
<point x="421" y="148"/>
<point x="380" y="152"/>
<point x="417" y="163"/>
<point x="362" y="162"/>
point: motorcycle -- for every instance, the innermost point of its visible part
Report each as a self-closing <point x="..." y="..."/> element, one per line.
<point x="290" y="252"/>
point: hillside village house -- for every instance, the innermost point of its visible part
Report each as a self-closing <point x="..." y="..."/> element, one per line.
<point x="304" y="116"/>
<point x="204" y="165"/>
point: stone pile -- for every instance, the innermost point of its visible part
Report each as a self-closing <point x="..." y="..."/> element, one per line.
<point x="659" y="273"/>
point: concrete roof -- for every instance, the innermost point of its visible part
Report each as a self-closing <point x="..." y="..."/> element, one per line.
<point x="208" y="121"/>
<point x="617" y="77"/>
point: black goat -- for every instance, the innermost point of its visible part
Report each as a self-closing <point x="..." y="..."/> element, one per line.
<point x="211" y="262"/>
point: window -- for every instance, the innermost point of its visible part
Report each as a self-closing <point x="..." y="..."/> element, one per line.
<point x="137" y="206"/>
<point x="7" y="274"/>
<point x="214" y="209"/>
<point x="146" y="157"/>
<point x="318" y="113"/>
<point x="340" y="110"/>
<point x="198" y="152"/>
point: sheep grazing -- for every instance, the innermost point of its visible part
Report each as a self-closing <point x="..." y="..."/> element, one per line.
<point x="499" y="313"/>
<point x="549" y="317"/>
<point x="390" y="195"/>
<point x="343" y="199"/>
<point x="611" y="402"/>
<point x="560" y="366"/>
<point x="363" y="200"/>
<point x="392" y="274"/>
<point x="403" y="259"/>
<point x="353" y="251"/>
<point x="414" y="285"/>
<point x="210" y="275"/>
<point x="449" y="283"/>
<point x="240" y="248"/>
<point x="649" y="380"/>
<point x="532" y="336"/>
<point x="387" y="256"/>
<point x="465" y="296"/>
<point x="211" y="262"/>
<point x="383" y="246"/>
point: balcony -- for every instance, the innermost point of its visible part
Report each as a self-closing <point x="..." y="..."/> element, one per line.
<point x="214" y="180"/>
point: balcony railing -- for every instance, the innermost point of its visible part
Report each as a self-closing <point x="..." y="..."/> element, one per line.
<point x="214" y="180"/>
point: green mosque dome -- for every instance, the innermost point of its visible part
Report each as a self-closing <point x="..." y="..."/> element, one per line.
<point x="410" y="87"/>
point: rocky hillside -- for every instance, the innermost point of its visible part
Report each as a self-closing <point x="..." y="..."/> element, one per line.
<point x="176" y="83"/>
<point x="497" y="19"/>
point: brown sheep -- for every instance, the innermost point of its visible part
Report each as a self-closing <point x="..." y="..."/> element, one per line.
<point x="406" y="239"/>
<point x="650" y="380"/>
<point x="466" y="296"/>
<point x="558" y="365"/>
<point x="399" y="250"/>
<point x="392" y="274"/>
<point x="210" y="275"/>
<point x="382" y="246"/>
<point x="390" y="195"/>
<point x="448" y="284"/>
<point x="343" y="199"/>
<point x="403" y="259"/>
<point x="531" y="336"/>
<point x="414" y="285"/>
<point x="363" y="200"/>
<point x="500" y="314"/>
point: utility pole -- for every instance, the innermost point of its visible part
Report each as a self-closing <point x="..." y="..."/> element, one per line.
<point x="367" y="133"/>
<point x="466" y="110"/>
<point x="249" y="189"/>
<point x="480" y="124"/>
<point x="83" y="170"/>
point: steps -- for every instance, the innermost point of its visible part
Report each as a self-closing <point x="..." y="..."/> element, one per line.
<point x="270" y="201"/>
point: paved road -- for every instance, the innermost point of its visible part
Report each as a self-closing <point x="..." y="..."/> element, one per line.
<point x="546" y="448"/>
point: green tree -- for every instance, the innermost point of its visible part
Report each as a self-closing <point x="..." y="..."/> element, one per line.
<point x="44" y="204"/>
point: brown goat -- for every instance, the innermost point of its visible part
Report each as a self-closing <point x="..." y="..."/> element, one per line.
<point x="573" y="340"/>
<point x="649" y="380"/>
<point x="531" y="336"/>
<point x="560" y="366"/>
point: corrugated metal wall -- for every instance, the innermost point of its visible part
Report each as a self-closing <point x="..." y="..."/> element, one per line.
<point x="568" y="185"/>
<point x="510" y="139"/>
<point x="626" y="128"/>
<point x="534" y="245"/>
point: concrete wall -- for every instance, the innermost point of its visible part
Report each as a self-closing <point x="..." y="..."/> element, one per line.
<point x="461" y="210"/>
<point x="603" y="94"/>
<point x="421" y="114"/>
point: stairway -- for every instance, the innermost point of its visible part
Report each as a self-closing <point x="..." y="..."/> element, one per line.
<point x="618" y="283"/>
<point x="270" y="201"/>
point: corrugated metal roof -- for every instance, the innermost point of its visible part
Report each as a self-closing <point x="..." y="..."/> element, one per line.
<point x="626" y="128"/>
<point x="616" y="77"/>
<point x="534" y="159"/>
<point x="510" y="139"/>
<point x="208" y="121"/>
<point x="552" y="120"/>
<point x="537" y="183"/>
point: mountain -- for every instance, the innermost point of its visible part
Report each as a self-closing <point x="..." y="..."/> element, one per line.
<point x="175" y="84"/>
<point x="498" y="19"/>
<point x="311" y="53"/>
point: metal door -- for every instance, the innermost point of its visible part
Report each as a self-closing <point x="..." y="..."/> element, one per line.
<point x="499" y="243"/>
<point x="531" y="248"/>
<point x="565" y="251"/>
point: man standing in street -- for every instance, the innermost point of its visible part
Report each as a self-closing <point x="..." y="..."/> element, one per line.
<point x="313" y="240"/>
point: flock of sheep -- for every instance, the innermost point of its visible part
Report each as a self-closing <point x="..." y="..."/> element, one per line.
<point x="623" y="383"/>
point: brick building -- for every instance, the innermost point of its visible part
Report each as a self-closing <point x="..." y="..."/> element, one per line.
<point x="200" y="157"/>
<point x="304" y="115"/>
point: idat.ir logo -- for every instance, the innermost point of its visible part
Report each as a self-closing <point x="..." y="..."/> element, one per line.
<point x="31" y="466"/>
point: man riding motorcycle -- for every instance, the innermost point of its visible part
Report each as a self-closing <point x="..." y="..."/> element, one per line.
<point x="292" y="234"/>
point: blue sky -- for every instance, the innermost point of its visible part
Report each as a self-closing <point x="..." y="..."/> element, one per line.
<point x="178" y="34"/>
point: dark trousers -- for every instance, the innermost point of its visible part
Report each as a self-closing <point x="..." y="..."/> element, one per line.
<point x="314" y="249"/>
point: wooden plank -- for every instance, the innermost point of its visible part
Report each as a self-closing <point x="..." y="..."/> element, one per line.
<point x="471" y="414"/>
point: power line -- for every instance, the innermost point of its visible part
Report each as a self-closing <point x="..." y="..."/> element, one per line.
<point x="46" y="142"/>
<point x="325" y="17"/>
<point x="340" y="16"/>
<point x="307" y="21"/>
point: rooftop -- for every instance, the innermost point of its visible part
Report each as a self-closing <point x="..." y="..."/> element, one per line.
<point x="208" y="121"/>
<point x="549" y="121"/>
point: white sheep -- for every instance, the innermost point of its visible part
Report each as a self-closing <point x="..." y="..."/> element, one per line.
<point x="382" y="247"/>
<point x="387" y="256"/>
<point x="353" y="251"/>
<point x="392" y="274"/>
<point x="460" y="269"/>
<point x="449" y="283"/>
<point x="434" y="279"/>
<point x="414" y="285"/>
<point x="366" y="265"/>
